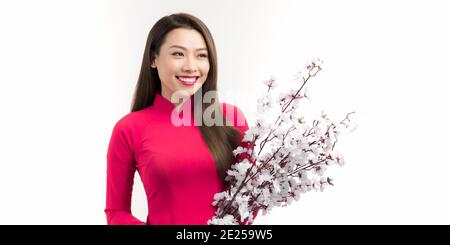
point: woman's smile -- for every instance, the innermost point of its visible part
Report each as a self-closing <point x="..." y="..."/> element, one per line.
<point x="187" y="80"/>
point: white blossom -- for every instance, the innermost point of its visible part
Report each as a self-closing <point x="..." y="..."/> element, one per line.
<point x="323" y="183"/>
<point x="270" y="83"/>
<point x="264" y="176"/>
<point x="250" y="135"/>
<point x="291" y="155"/>
<point x="242" y="202"/>
<point x="265" y="103"/>
<point x="226" y="220"/>
<point x="239" y="150"/>
<point x="320" y="170"/>
<point x="243" y="166"/>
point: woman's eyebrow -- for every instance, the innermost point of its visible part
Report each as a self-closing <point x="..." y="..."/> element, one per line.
<point x="178" y="46"/>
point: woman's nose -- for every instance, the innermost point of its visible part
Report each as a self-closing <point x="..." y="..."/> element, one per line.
<point x="190" y="65"/>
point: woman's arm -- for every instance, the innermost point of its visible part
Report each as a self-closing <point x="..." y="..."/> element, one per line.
<point x="120" y="176"/>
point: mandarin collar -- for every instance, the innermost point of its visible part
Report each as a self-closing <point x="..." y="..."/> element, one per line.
<point x="164" y="105"/>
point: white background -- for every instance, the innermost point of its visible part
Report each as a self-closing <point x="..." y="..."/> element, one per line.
<point x="68" y="71"/>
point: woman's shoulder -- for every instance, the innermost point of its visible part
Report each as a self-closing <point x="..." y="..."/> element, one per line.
<point x="132" y="120"/>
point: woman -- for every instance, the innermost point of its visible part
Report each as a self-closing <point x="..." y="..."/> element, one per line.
<point x="181" y="165"/>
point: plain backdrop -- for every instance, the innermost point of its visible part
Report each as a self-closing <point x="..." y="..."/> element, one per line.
<point x="68" y="71"/>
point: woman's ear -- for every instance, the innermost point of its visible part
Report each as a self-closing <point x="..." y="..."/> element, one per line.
<point x="153" y="62"/>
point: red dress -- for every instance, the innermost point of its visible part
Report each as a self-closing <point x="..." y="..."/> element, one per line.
<point x="174" y="163"/>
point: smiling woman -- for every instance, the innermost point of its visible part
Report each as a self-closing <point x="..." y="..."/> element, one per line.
<point x="180" y="64"/>
<point x="181" y="167"/>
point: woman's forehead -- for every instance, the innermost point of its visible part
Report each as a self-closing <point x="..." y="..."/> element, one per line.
<point x="185" y="39"/>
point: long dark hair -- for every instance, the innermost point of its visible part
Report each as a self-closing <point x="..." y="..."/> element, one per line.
<point x="221" y="140"/>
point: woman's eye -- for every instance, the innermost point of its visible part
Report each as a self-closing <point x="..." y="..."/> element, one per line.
<point x="181" y="54"/>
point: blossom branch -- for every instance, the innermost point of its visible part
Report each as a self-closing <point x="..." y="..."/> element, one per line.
<point x="278" y="175"/>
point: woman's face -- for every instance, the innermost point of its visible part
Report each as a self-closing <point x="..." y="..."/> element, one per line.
<point x="182" y="62"/>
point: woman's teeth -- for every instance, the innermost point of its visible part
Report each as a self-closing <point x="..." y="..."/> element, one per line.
<point x="187" y="80"/>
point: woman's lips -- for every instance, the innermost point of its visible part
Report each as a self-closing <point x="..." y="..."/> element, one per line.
<point x="187" y="81"/>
